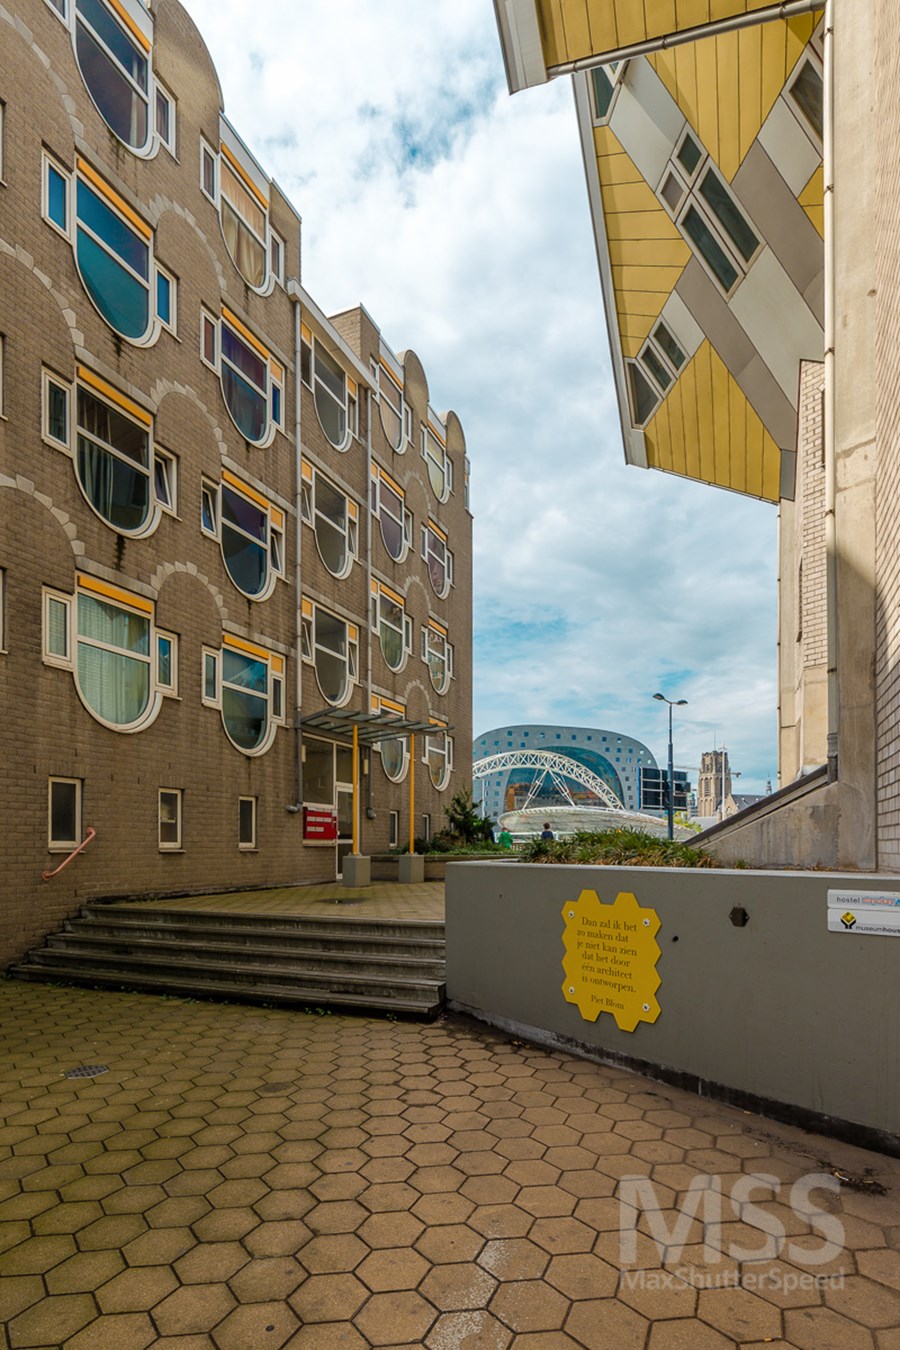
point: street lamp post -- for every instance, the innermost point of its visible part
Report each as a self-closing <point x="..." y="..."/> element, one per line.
<point x="670" y="796"/>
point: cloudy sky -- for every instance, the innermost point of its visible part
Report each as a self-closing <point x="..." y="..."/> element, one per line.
<point x="459" y="217"/>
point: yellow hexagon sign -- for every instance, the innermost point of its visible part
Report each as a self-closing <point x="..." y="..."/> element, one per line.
<point x="610" y="960"/>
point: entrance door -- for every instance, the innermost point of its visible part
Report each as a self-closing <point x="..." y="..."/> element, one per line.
<point x="345" y="823"/>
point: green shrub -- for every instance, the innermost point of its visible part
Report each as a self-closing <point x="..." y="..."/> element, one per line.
<point x="622" y="847"/>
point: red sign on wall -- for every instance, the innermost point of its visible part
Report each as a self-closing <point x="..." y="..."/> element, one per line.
<point x="319" y="824"/>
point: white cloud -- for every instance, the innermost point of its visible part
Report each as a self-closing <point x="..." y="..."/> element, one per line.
<point x="459" y="217"/>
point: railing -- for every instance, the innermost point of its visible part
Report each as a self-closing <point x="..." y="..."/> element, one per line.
<point x="91" y="834"/>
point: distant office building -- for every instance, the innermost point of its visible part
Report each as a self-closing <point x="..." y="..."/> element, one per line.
<point x="654" y="785"/>
<point x="616" y="760"/>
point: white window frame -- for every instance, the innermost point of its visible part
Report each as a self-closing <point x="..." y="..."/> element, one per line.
<point x="276" y="256"/>
<point x="210" y="659"/>
<point x="209" y="492"/>
<point x="442" y="461"/>
<point x="60" y="9"/>
<point x="379" y="592"/>
<point x="393" y="829"/>
<point x="161" y="638"/>
<point x="3" y="377"/>
<point x="2" y="139"/>
<point x="170" y="141"/>
<point x="209" y="324"/>
<point x="171" y="324"/>
<point x="170" y="846"/>
<point x="244" y="845"/>
<point x="427" y="531"/>
<point x="49" y="162"/>
<point x="615" y="71"/>
<point x="208" y="154"/>
<point x="65" y="845"/>
<point x="309" y="647"/>
<point x="430" y="631"/>
<point x="309" y="507"/>
<point x="375" y="506"/>
<point x="811" y="55"/>
<point x="439" y="729"/>
<point x="168" y="465"/>
<point x="47" y="378"/>
<point x="275" y="534"/>
<point x="382" y="381"/>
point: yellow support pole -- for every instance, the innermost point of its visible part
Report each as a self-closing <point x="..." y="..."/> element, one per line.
<point x="355" y="831"/>
<point x="412" y="793"/>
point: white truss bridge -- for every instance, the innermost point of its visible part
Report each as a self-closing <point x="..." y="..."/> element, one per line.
<point x="548" y="764"/>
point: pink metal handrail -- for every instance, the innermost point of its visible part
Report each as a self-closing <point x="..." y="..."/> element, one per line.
<point x="91" y="834"/>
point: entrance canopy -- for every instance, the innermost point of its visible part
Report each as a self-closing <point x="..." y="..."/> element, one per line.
<point x="371" y="727"/>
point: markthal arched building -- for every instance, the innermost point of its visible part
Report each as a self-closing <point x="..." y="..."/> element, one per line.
<point x="615" y="759"/>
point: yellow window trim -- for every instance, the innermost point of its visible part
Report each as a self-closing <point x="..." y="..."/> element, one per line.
<point x="306" y="608"/>
<point x="244" y="177"/>
<point x="277" y="370"/>
<point x="112" y="196"/>
<point x="352" y="632"/>
<point x="438" y="627"/>
<point x="390" y="482"/>
<point x="392" y="595"/>
<point x="306" y="334"/>
<point x="307" y="470"/>
<point x="250" y="492"/>
<point x="238" y="644"/>
<point x="277" y="664"/>
<point x="131" y="25"/>
<point x="351" y="385"/>
<point x="438" y="435"/>
<point x="133" y="409"/>
<point x="391" y="376"/>
<point x="86" y="583"/>
<point x="244" y="331"/>
<point x="437" y="530"/>
<point x="436" y="722"/>
<point x="277" y="517"/>
<point x="393" y="707"/>
<point x="352" y="510"/>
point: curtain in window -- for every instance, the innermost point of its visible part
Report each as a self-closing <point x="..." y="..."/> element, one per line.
<point x="114" y="683"/>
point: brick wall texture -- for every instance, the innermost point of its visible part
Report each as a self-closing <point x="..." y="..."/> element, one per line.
<point x="49" y="533"/>
<point x="887" y="350"/>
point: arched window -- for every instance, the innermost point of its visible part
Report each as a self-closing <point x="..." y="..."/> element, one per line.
<point x="392" y="624"/>
<point x="331" y="645"/>
<point x="252" y="380"/>
<point x="437" y="654"/>
<point x="244" y="213"/>
<point x="113" y="54"/>
<point x="396" y="418"/>
<point x="394" y="518"/>
<point x="250" y="531"/>
<point x="334" y="392"/>
<point x="438" y="558"/>
<point x="334" y="518"/>
<point x="394" y="750"/>
<point x="246" y="683"/>
<point x="440" y="465"/>
<point x="123" y="665"/>
<point x="438" y="754"/>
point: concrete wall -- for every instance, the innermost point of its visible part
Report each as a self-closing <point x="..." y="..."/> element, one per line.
<point x="780" y="1010"/>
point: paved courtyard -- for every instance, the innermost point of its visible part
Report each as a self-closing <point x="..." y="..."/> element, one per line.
<point x="243" y="1178"/>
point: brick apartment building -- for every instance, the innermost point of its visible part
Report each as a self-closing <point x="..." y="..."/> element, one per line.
<point x="742" y="167"/>
<point x="230" y="526"/>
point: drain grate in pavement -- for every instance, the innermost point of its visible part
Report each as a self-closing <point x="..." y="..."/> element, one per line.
<point x="87" y="1071"/>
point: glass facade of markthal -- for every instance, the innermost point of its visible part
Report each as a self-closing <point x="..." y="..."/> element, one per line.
<point x="612" y="757"/>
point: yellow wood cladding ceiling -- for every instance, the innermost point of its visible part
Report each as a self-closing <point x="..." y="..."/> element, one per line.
<point x="575" y="29"/>
<point x="707" y="430"/>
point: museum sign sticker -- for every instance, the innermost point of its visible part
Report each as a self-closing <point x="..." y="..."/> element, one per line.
<point x="610" y="960"/>
<point x="864" y="913"/>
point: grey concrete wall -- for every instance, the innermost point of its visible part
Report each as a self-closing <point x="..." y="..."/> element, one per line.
<point x="780" y="1009"/>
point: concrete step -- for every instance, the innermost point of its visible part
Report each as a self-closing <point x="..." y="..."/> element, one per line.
<point x="231" y="990"/>
<point x="261" y="979"/>
<point x="142" y="913"/>
<point x="331" y="937"/>
<point x="383" y="962"/>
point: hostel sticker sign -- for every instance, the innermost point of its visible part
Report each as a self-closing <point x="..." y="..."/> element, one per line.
<point x="864" y="913"/>
<point x="610" y="960"/>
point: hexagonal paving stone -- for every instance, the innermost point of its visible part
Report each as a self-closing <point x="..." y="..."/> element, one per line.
<point x="395" y="1318"/>
<point x="691" y="1335"/>
<point x="193" y="1308"/>
<point x="52" y="1321"/>
<point x="210" y="1262"/>
<point x="391" y="1229"/>
<point x="450" y="1242"/>
<point x="530" y="1305"/>
<point x="458" y="1286"/>
<point x="329" y="1298"/>
<point x="824" y="1329"/>
<point x="136" y="1290"/>
<point x="739" y="1314"/>
<point x="336" y="1216"/>
<point x="605" y="1324"/>
<point x="392" y="1268"/>
<point x="582" y="1276"/>
<point x="333" y="1253"/>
